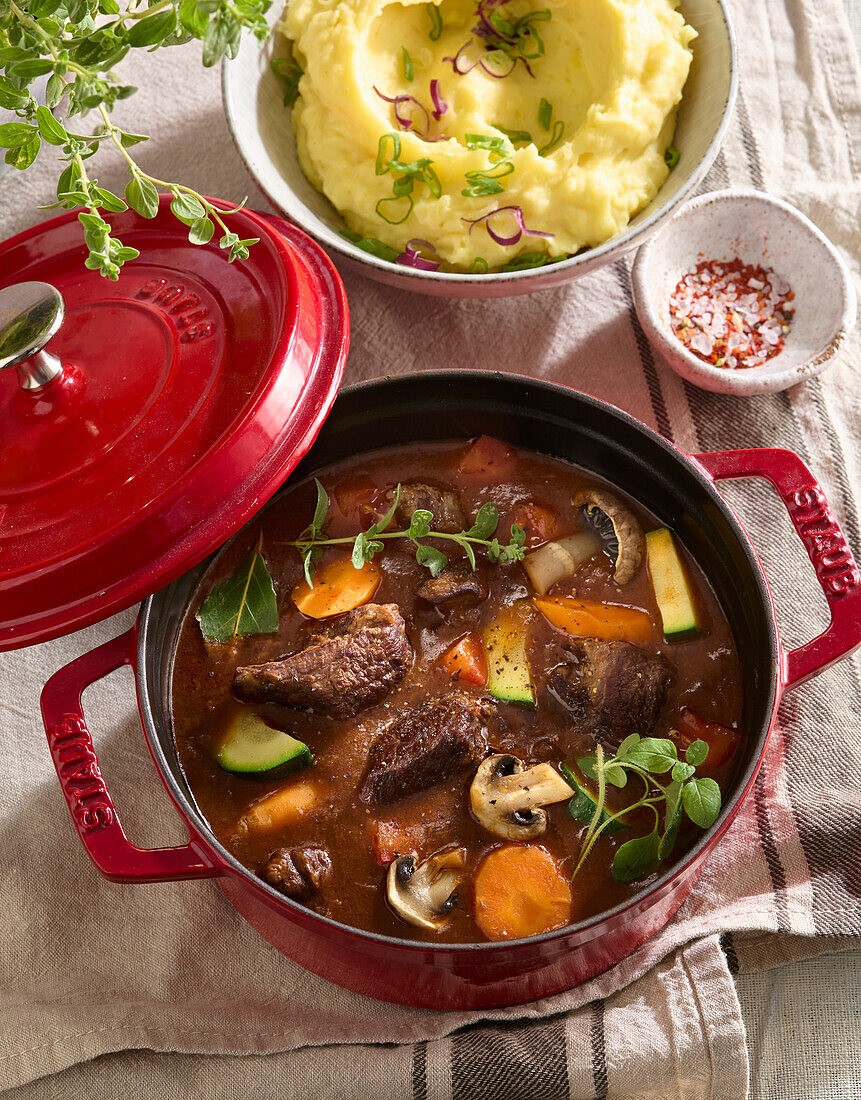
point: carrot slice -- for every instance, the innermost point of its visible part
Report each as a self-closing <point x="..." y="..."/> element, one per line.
<point x="590" y="619"/>
<point x="721" y="740"/>
<point x="520" y="890"/>
<point x="338" y="587"/>
<point x="487" y="458"/>
<point x="466" y="660"/>
<point x="540" y="523"/>
<point x="281" y="808"/>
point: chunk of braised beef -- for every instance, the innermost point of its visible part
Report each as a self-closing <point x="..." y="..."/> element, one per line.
<point x="297" y="872"/>
<point x="443" y="503"/>
<point x="452" y="584"/>
<point x="426" y="746"/>
<point x="613" y="688"/>
<point x="349" y="666"/>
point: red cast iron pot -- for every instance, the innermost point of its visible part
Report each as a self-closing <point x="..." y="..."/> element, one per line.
<point x="678" y="488"/>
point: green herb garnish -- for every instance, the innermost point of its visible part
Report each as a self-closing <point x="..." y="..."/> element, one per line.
<point x="291" y="73"/>
<point x="545" y="114"/>
<point x="393" y="209"/>
<point x="555" y="138"/>
<point x="77" y="44"/>
<point x="245" y="603"/>
<point x="645" y="758"/>
<point x="671" y="156"/>
<point x="479" y="266"/>
<point x="409" y="71"/>
<point x="368" y="543"/>
<point x="485" y="141"/>
<point x="370" y="244"/>
<point x="514" y="136"/>
<point x="485" y="181"/>
<point x="436" y="21"/>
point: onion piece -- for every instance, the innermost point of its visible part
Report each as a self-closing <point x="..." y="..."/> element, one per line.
<point x="439" y="104"/>
<point x="554" y="561"/>
<point x="505" y="241"/>
<point x="411" y="257"/>
<point x="404" y="121"/>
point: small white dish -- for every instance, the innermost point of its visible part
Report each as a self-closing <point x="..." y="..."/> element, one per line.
<point x="758" y="229"/>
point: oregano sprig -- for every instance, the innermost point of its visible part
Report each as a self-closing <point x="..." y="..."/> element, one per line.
<point x="644" y="758"/>
<point x="77" y="44"/>
<point x="481" y="535"/>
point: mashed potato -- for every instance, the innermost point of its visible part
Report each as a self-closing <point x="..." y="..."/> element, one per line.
<point x="555" y="113"/>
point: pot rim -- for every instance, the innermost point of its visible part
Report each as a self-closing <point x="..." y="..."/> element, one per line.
<point x="742" y="783"/>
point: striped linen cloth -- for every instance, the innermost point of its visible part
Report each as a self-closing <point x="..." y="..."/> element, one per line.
<point x="88" y="968"/>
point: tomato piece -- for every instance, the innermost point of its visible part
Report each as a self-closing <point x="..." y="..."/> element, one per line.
<point x="390" y="840"/>
<point x="466" y="660"/>
<point x="721" y="740"/>
<point x="487" y="458"/>
<point x="538" y="521"/>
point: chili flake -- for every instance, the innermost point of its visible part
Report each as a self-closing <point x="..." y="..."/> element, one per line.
<point x="731" y="314"/>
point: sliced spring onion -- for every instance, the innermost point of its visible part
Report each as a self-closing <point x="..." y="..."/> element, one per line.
<point x="545" y="114"/>
<point x="383" y="156"/>
<point x="479" y="266"/>
<point x="382" y="208"/>
<point x="435" y="20"/>
<point x="409" y="70"/>
<point x="555" y="138"/>
<point x="671" y="156"/>
<point x="514" y="136"/>
<point x="370" y="244"/>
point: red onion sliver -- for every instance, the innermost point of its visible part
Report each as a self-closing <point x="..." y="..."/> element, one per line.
<point x="517" y="214"/>
<point x="458" y="61"/>
<point x="439" y="104"/>
<point x="404" y="121"/>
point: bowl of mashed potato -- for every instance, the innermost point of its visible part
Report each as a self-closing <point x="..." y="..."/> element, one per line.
<point x="482" y="147"/>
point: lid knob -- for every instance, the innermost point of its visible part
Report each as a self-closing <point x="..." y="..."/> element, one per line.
<point x="30" y="314"/>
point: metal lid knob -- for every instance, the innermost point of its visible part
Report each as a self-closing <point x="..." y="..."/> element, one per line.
<point x="30" y="314"/>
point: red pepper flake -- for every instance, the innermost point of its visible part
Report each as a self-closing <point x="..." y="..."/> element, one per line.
<point x="732" y="314"/>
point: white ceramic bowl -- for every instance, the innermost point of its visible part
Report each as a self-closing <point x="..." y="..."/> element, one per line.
<point x="261" y="128"/>
<point x="757" y="229"/>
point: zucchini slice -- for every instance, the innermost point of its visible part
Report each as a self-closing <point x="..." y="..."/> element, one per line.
<point x="670" y="583"/>
<point x="508" y="675"/>
<point x="253" y="749"/>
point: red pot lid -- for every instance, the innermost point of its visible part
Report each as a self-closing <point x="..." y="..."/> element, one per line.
<point x="190" y="389"/>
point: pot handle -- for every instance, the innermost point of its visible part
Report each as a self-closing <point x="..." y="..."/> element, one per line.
<point x="87" y="796"/>
<point x="824" y="542"/>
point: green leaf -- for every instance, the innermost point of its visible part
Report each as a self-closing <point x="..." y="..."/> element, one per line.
<point x="682" y="772"/>
<point x="485" y="523"/>
<point x="187" y="208"/>
<point x="582" y="805"/>
<point x="194" y="20"/>
<point x="142" y="196"/>
<point x="10" y="96"/>
<point x="321" y="508"/>
<point x="654" y="754"/>
<point x="243" y="604"/>
<point x="672" y="818"/>
<point x="586" y="764"/>
<point x="54" y="90"/>
<point x="615" y="775"/>
<point x="420" y="523"/>
<point x="384" y="522"/>
<point x="201" y="231"/>
<point x="545" y="114"/>
<point x="127" y="139"/>
<point x="409" y="70"/>
<point x="152" y="28"/>
<point x="109" y="200"/>
<point x="309" y="555"/>
<point x="435" y="560"/>
<point x="636" y="858"/>
<point x="13" y="134"/>
<point x="467" y="549"/>
<point x="702" y="801"/>
<point x="25" y="154"/>
<point x="629" y="742"/>
<point x="29" y="69"/>
<point x="360" y="551"/>
<point x="697" y="752"/>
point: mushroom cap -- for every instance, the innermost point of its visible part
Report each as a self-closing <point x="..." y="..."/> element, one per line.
<point x="423" y="894"/>
<point x="629" y="539"/>
<point x="508" y="800"/>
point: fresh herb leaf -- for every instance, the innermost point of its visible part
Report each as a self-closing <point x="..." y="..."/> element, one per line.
<point x="486" y="521"/>
<point x="243" y="604"/>
<point x="697" y="752"/>
<point x="432" y="558"/>
<point x="409" y="69"/>
<point x="653" y="754"/>
<point x="321" y="508"/>
<point x="582" y="805"/>
<point x="435" y="20"/>
<point x="671" y="156"/>
<point x="467" y="549"/>
<point x="702" y="801"/>
<point x="636" y="858"/>
<point x="672" y="818"/>
<point x="682" y="772"/>
<point x="383" y="523"/>
<point x="420" y="523"/>
<point x="545" y="114"/>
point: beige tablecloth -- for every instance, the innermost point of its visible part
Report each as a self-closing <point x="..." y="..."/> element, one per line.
<point x="88" y="967"/>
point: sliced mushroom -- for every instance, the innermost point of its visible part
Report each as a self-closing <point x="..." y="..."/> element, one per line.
<point x="507" y="800"/>
<point x="554" y="561"/>
<point x="619" y="528"/>
<point x="424" y="894"/>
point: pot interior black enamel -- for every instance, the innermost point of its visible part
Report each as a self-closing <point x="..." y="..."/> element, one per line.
<point x="545" y="418"/>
